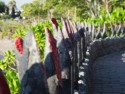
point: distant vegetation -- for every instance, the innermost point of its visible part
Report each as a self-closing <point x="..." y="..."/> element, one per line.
<point x="73" y="9"/>
<point x="8" y="29"/>
<point x="9" y="11"/>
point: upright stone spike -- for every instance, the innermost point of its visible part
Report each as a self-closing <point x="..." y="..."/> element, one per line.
<point x="52" y="65"/>
<point x="104" y="31"/>
<point x="83" y="46"/>
<point x="90" y="29"/>
<point x="112" y="29"/>
<point x="65" y="30"/>
<point x="77" y="36"/>
<point x="66" y="33"/>
<point x="4" y="88"/>
<point x="64" y="58"/>
<point x="108" y="31"/>
<point x="72" y="51"/>
<point x="116" y="28"/>
<point x="21" y="67"/>
<point x="98" y="35"/>
<point x="76" y="52"/>
<point x="120" y="29"/>
<point x="72" y="32"/>
<point x="89" y="33"/>
<point x="76" y="33"/>
<point x="123" y="29"/>
<point x="58" y="35"/>
<point x="31" y="71"/>
<point x="83" y="25"/>
<point x="93" y="31"/>
<point x="79" y="50"/>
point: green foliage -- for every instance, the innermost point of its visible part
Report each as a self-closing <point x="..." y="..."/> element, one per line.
<point x="72" y="9"/>
<point x="8" y="65"/>
<point x="39" y="32"/>
<point x="20" y="33"/>
<point x="11" y="30"/>
<point x="54" y="8"/>
<point x="30" y="9"/>
<point x="116" y="16"/>
<point x="2" y="7"/>
<point x="40" y="35"/>
<point x="4" y="16"/>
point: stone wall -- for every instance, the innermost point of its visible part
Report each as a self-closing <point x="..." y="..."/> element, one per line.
<point x="106" y="46"/>
<point x="96" y="49"/>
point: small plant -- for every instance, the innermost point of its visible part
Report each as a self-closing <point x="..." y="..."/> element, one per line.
<point x="8" y="65"/>
<point x="40" y="35"/>
<point x="19" y="33"/>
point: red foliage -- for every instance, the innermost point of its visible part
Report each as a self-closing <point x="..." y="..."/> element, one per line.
<point x="19" y="44"/>
<point x="55" y="54"/>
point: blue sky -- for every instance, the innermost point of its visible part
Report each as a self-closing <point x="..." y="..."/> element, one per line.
<point x="19" y="2"/>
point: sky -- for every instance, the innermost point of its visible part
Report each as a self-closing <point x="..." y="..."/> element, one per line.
<point x="19" y="3"/>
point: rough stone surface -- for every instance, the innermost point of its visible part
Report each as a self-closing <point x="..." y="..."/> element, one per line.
<point x="100" y="48"/>
<point x="106" y="46"/>
<point x="108" y="74"/>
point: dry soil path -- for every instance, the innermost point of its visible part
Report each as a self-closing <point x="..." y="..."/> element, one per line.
<point x="5" y="44"/>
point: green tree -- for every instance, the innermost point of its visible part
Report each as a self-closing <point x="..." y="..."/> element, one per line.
<point x="71" y="9"/>
<point x="34" y="9"/>
<point x="12" y="7"/>
<point x="2" y="7"/>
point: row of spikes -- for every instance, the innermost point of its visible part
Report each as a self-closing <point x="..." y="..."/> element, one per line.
<point x="107" y="30"/>
<point x="73" y="32"/>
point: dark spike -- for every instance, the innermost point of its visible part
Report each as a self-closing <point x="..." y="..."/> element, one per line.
<point x="53" y="20"/>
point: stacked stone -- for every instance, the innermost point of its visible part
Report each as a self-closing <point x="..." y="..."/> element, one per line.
<point x="98" y="44"/>
<point x="97" y="48"/>
<point x="70" y="44"/>
<point x="71" y="52"/>
<point x="64" y="58"/>
<point x="31" y="71"/>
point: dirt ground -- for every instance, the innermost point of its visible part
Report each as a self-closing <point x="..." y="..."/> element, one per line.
<point x="5" y="44"/>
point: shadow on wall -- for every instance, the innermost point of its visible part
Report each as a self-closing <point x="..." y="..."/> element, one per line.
<point x="100" y="48"/>
<point x="33" y="81"/>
